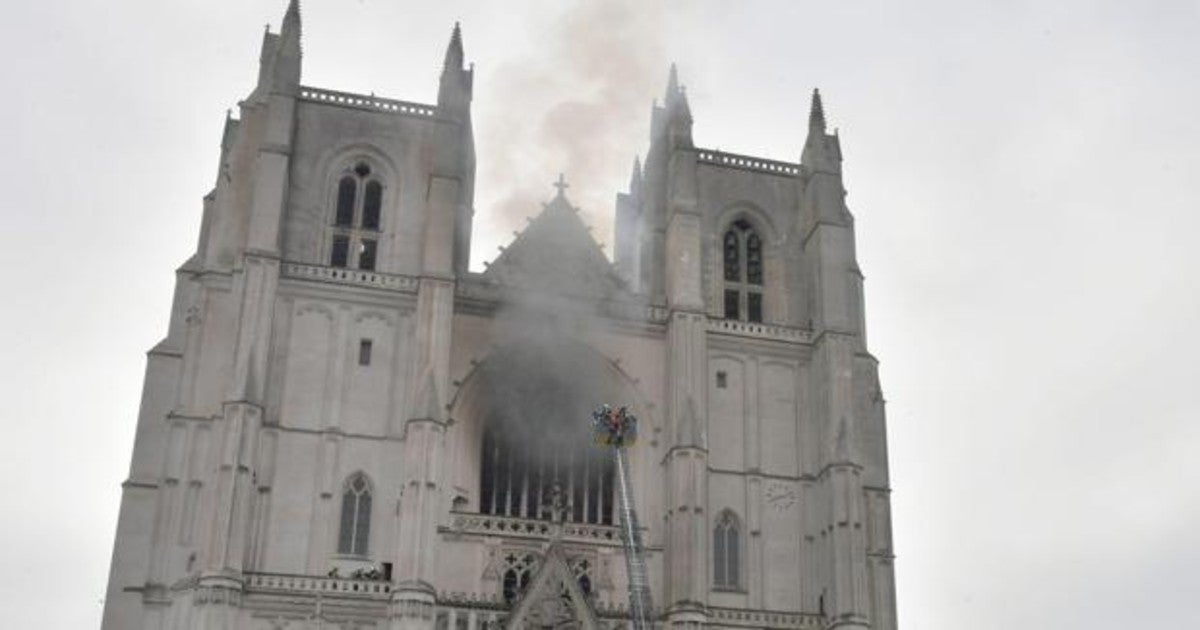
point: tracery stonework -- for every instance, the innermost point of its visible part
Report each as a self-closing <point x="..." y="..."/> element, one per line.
<point x="347" y="427"/>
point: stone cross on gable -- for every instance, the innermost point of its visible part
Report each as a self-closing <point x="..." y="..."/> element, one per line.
<point x="561" y="185"/>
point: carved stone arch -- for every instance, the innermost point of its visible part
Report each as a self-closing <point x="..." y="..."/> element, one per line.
<point x="304" y="308"/>
<point x="336" y="161"/>
<point x="386" y="318"/>
<point x="340" y="160"/>
<point x="750" y="211"/>
<point x="466" y="390"/>
<point x="774" y="285"/>
<point x="728" y="356"/>
<point x="473" y="400"/>
<point x="358" y="474"/>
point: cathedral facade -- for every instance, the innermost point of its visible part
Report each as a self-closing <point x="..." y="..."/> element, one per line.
<point x="346" y="427"/>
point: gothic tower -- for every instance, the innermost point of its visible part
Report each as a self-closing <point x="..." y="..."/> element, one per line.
<point x="347" y="427"/>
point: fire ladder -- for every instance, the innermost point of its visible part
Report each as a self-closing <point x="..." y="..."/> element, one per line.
<point x="617" y="429"/>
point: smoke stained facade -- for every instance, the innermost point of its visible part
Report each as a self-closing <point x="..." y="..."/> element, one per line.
<point x="345" y="427"/>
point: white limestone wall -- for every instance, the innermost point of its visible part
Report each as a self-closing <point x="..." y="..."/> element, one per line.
<point x="769" y="202"/>
<point x="327" y="138"/>
<point x="755" y="427"/>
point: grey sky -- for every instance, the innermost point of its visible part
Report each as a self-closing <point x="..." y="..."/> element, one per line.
<point x="1023" y="176"/>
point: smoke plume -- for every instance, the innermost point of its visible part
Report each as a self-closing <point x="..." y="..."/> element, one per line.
<point x="578" y="104"/>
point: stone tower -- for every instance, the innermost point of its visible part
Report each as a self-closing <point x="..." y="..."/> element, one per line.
<point x="345" y="427"/>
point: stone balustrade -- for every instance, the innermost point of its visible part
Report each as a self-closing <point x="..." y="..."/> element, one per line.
<point x="370" y="102"/>
<point x="289" y="583"/>
<point x="358" y="277"/>
<point x="759" y="331"/>
<point x="511" y="526"/>
<point x="764" y="618"/>
<point x="748" y="162"/>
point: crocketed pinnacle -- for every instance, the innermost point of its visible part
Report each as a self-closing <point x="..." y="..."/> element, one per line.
<point x="816" y="115"/>
<point x="672" y="83"/>
<point x="291" y="19"/>
<point x="454" y="50"/>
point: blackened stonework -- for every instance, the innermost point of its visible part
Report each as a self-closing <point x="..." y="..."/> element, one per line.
<point x="346" y="427"/>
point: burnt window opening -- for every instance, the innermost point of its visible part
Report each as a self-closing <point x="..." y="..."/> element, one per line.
<point x="364" y="352"/>
<point x="743" y="272"/>
<point x="519" y="479"/>
<point x="722" y="380"/>
<point x="357" y="219"/>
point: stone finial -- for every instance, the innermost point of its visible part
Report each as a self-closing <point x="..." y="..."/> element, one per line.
<point x="635" y="179"/>
<point x="291" y="21"/>
<point x="454" y="50"/>
<point x="816" y="114"/>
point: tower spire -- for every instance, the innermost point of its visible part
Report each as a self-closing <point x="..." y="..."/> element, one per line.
<point x="672" y="83"/>
<point x="291" y="21"/>
<point x="454" y="50"/>
<point x="816" y="115"/>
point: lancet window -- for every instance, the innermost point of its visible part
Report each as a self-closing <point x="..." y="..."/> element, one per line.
<point x="743" y="264"/>
<point x="520" y="478"/>
<point x="357" y="210"/>
<point x="726" y="552"/>
<point x="355" y="528"/>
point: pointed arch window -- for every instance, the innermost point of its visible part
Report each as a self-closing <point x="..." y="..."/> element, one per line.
<point x="518" y="571"/>
<point x="742" y="249"/>
<point x="357" y="213"/>
<point x="727" y="552"/>
<point x="355" y="528"/>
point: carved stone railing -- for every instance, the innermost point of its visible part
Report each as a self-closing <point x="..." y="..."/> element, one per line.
<point x="479" y="608"/>
<point x="759" y="331"/>
<point x="748" y="162"/>
<point x="764" y="618"/>
<point x="289" y="583"/>
<point x="459" y="599"/>
<point x="369" y="102"/>
<point x="357" y="277"/>
<point x="513" y="527"/>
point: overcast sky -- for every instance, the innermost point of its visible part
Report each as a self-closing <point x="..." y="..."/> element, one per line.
<point x="1023" y="175"/>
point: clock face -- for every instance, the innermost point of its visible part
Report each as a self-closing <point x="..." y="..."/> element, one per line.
<point x="781" y="495"/>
